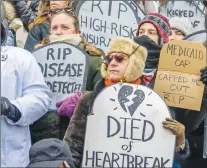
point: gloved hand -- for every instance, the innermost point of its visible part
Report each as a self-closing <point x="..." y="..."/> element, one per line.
<point x="204" y="75"/>
<point x="9" y="110"/>
<point x="67" y="106"/>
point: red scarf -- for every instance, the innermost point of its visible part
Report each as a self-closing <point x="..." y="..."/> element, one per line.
<point x="109" y="82"/>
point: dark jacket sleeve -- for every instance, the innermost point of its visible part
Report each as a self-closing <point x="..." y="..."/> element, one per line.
<point x="36" y="35"/>
<point x="26" y="13"/>
<point x="75" y="133"/>
<point x="179" y="156"/>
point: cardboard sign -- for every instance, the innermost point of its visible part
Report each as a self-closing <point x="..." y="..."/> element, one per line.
<point x="102" y="20"/>
<point x="65" y="69"/>
<point x="193" y="10"/>
<point x="178" y="77"/>
<point x="125" y="129"/>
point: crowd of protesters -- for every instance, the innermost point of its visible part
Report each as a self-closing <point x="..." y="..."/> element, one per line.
<point x="34" y="136"/>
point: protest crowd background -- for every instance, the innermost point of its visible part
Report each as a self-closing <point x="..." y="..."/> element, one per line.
<point x="103" y="83"/>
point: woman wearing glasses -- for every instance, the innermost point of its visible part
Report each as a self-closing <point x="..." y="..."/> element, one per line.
<point x="124" y="62"/>
<point x="65" y="27"/>
<point x="40" y="27"/>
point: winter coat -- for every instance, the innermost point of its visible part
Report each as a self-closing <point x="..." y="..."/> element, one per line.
<point x="75" y="134"/>
<point x="26" y="12"/>
<point x="52" y="125"/>
<point x="23" y="85"/>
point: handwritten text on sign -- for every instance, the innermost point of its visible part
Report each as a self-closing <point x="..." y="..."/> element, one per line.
<point x="193" y="10"/>
<point x="64" y="68"/>
<point x="102" y="20"/>
<point x="178" y="76"/>
<point x="128" y="131"/>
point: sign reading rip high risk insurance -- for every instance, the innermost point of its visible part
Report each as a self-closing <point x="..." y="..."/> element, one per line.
<point x="64" y="67"/>
<point x="125" y="130"/>
<point x="178" y="77"/>
<point x="102" y="20"/>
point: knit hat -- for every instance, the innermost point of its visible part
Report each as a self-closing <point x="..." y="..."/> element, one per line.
<point x="160" y="22"/>
<point x="137" y="58"/>
<point x="181" y="24"/>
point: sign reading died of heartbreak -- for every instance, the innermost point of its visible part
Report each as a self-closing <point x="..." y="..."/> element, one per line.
<point x="64" y="67"/>
<point x="178" y="77"/>
<point x="193" y="10"/>
<point x="125" y="129"/>
<point x="102" y="20"/>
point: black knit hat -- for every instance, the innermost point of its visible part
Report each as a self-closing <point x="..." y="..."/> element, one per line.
<point x="50" y="153"/>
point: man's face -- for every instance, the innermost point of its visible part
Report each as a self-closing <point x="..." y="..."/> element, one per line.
<point x="149" y="30"/>
<point x="176" y="35"/>
<point x="58" y="4"/>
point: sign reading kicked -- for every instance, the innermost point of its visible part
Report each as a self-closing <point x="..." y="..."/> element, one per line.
<point x="64" y="67"/>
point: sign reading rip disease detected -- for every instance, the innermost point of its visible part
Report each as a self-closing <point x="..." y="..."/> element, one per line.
<point x="178" y="76"/>
<point x="102" y="20"/>
<point x="64" y="67"/>
<point x="125" y="130"/>
<point x="193" y="10"/>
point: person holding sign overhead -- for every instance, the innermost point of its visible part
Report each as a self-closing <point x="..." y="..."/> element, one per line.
<point x="124" y="62"/>
<point x="65" y="28"/>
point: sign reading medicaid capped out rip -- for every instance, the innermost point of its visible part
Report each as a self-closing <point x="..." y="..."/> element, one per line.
<point x="125" y="129"/>
<point x="64" y="67"/>
<point x="100" y="21"/>
<point x="178" y="76"/>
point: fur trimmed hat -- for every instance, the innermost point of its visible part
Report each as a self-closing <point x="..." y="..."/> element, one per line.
<point x="137" y="57"/>
<point x="182" y="24"/>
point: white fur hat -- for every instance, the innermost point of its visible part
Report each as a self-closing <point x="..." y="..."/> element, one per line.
<point x="182" y="24"/>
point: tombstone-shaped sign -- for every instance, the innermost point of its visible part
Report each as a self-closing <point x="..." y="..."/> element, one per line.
<point x="200" y="36"/>
<point x="178" y="76"/>
<point x="65" y="69"/>
<point x="125" y="129"/>
<point x="193" y="10"/>
<point x="102" y="20"/>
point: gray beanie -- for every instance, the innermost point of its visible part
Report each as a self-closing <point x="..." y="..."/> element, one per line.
<point x="182" y="24"/>
<point x="4" y="24"/>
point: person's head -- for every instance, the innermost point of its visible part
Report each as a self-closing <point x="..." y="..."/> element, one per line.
<point x="179" y="28"/>
<point x="156" y="27"/>
<point x="50" y="153"/>
<point x="124" y="60"/>
<point x="64" y="23"/>
<point x="4" y="24"/>
<point x="59" y="4"/>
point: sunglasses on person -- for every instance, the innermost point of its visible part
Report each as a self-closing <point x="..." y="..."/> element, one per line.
<point x="118" y="57"/>
<point x="55" y="11"/>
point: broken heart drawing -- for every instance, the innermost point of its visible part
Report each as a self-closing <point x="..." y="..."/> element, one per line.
<point x="129" y="99"/>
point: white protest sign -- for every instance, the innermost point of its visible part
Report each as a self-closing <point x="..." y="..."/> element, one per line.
<point x="199" y="36"/>
<point x="64" y="67"/>
<point x="125" y="129"/>
<point x="193" y="10"/>
<point x="102" y="20"/>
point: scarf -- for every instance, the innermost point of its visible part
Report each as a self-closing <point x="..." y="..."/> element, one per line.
<point x="109" y="82"/>
<point x="152" y="57"/>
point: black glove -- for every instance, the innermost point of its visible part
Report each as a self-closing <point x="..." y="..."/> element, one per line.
<point x="204" y="75"/>
<point x="9" y="110"/>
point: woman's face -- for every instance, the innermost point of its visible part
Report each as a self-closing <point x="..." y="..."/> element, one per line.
<point x="117" y="66"/>
<point x="58" y="4"/>
<point x="62" y="24"/>
<point x="149" y="30"/>
<point x="175" y="35"/>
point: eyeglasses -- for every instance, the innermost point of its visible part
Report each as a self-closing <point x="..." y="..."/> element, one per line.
<point x="118" y="58"/>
